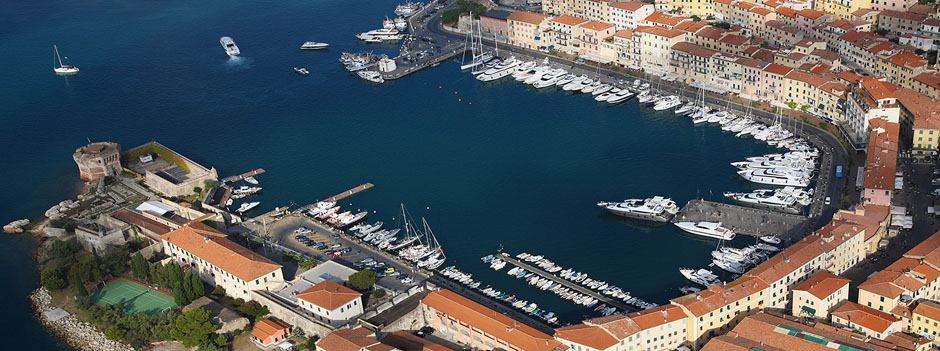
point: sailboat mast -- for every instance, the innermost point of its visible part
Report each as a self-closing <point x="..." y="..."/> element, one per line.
<point x="56" y="48"/>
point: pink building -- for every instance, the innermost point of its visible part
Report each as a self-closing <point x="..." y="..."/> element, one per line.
<point x="593" y="35"/>
<point x="771" y="82"/>
<point x="494" y="22"/>
<point x="807" y="20"/>
<point x="882" y="162"/>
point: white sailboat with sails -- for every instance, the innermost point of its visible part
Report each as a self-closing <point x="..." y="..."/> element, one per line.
<point x="62" y="69"/>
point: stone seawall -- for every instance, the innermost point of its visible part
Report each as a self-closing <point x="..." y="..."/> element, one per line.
<point x="80" y="335"/>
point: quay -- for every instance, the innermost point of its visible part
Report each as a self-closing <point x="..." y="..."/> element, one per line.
<point x="350" y="192"/>
<point x="745" y="220"/>
<point x="240" y="177"/>
<point x="623" y="306"/>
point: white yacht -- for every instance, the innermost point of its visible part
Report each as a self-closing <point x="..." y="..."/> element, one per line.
<point x="407" y="9"/>
<point x="62" y="69"/>
<point x="229" y="45"/>
<point x="730" y="266"/>
<point x="657" y="208"/>
<point x="770" y="239"/>
<point x="564" y="80"/>
<point x="603" y="88"/>
<point x="371" y="76"/>
<point x="619" y="97"/>
<point x="606" y="96"/>
<point x="776" y="176"/>
<point x="245" y="207"/>
<point x="707" y="229"/>
<point x="701" y="276"/>
<point x="577" y="84"/>
<point x="312" y="45"/>
<point x="549" y="79"/>
<point x="685" y="109"/>
<point x="667" y="103"/>
<point x="769" y="199"/>
<point x="251" y="180"/>
<point x="381" y="34"/>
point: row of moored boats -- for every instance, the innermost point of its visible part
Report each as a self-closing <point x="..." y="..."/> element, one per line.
<point x="530" y="308"/>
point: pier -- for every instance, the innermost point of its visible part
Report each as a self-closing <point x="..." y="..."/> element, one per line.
<point x="240" y="177"/>
<point x="744" y="220"/>
<point x="350" y="192"/>
<point x="570" y="284"/>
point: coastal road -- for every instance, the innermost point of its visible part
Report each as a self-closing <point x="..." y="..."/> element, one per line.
<point x="827" y="143"/>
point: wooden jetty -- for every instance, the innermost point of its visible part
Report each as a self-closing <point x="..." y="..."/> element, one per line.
<point x="240" y="177"/>
<point x="350" y="192"/>
<point x="570" y="284"/>
<point x="744" y="220"/>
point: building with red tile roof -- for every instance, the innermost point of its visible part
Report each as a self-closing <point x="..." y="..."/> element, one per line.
<point x="446" y="310"/>
<point x="406" y="341"/>
<point x="666" y="20"/>
<point x="881" y="162"/>
<point x="358" y="339"/>
<point x="871" y="322"/>
<point x="915" y="276"/>
<point x="269" y="332"/>
<point x="718" y="308"/>
<point x="818" y="294"/>
<point x="331" y="302"/>
<point x="222" y="262"/>
<point x="661" y="328"/>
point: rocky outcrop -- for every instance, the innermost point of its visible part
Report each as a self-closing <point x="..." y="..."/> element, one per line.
<point x="57" y="210"/>
<point x="80" y="335"/>
<point x="15" y="226"/>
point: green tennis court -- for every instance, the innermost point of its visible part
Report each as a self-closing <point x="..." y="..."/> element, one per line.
<point x="136" y="298"/>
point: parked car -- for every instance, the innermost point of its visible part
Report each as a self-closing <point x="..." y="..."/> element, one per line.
<point x="389" y="270"/>
<point x="336" y="246"/>
<point x="828" y="200"/>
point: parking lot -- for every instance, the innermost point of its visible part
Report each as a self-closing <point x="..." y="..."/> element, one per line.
<point x="324" y="244"/>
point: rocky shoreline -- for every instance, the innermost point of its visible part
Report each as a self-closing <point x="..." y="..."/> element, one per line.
<point x="80" y="335"/>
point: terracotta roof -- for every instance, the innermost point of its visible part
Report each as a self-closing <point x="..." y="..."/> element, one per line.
<point x="882" y="159"/>
<point x="906" y="275"/>
<point x="690" y="26"/>
<point x="931" y="79"/>
<point x="491" y="322"/>
<point x="812" y="14"/>
<point x="597" y="25"/>
<point x="569" y="20"/>
<point x="213" y="247"/>
<point x="854" y="36"/>
<point x="788" y="334"/>
<point x="406" y="341"/>
<point x="134" y="218"/>
<point x="329" y="295"/>
<point x="922" y="9"/>
<point x="666" y="19"/>
<point x="718" y="296"/>
<point x="347" y="340"/>
<point x="629" y="5"/>
<point x="734" y="343"/>
<point x="620" y="326"/>
<point x="924" y="108"/>
<point x="735" y="40"/>
<point x="823" y="284"/>
<point x="655" y="317"/>
<point x="777" y="69"/>
<point x="725" y="2"/>
<point x="907" y="59"/>
<point x="745" y="5"/>
<point x="928" y="309"/>
<point x="588" y="335"/>
<point x="878" y="89"/>
<point x="789" y="260"/>
<point x="624" y="33"/>
<point x="659" y="31"/>
<point x="267" y="328"/>
<point x="907" y="341"/>
<point x="685" y="47"/>
<point x="870" y="216"/>
<point x="786" y="11"/>
<point x="863" y="12"/>
<point x="864" y="316"/>
<point x="913" y="17"/>
<point x="826" y="55"/>
<point x="703" y="52"/>
<point x="761" y="11"/>
<point x="710" y="32"/>
<point x="527" y="17"/>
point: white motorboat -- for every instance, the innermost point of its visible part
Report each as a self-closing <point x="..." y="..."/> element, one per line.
<point x="505" y="65"/>
<point x="245" y="207"/>
<point x="769" y="199"/>
<point x="657" y="208"/>
<point x="301" y="71"/>
<point x="549" y="79"/>
<point x="730" y="266"/>
<point x="606" y="96"/>
<point x="381" y="34"/>
<point x="407" y="9"/>
<point x="577" y="84"/>
<point x="701" y="276"/>
<point x="603" y="88"/>
<point x="685" y="109"/>
<point x="770" y="239"/>
<point x="312" y="45"/>
<point x="620" y="96"/>
<point x="707" y="229"/>
<point x="667" y="103"/>
<point x="568" y="78"/>
<point x="229" y="45"/>
<point x="251" y="180"/>
<point x="62" y="69"/>
<point x="589" y="88"/>
<point x="371" y="76"/>
<point x="776" y="176"/>
<point x="767" y="247"/>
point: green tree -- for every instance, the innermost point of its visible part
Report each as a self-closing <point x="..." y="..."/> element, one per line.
<point x="193" y="327"/>
<point x="199" y="290"/>
<point x="51" y="278"/>
<point x="210" y="184"/>
<point x="363" y="280"/>
<point x="197" y="190"/>
<point x="254" y="310"/>
<point x="696" y="18"/>
<point x="311" y="343"/>
<point x="175" y="273"/>
<point x="188" y="287"/>
<point x="179" y="296"/>
<point x="221" y="340"/>
<point x="139" y="267"/>
<point x="115" y="332"/>
<point x="77" y="283"/>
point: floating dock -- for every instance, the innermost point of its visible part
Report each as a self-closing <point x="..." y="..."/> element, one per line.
<point x="240" y="177"/>
<point x="350" y="192"/>
<point x="744" y="220"/>
<point x="623" y="306"/>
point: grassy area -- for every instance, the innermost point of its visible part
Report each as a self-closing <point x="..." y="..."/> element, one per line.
<point x="464" y="7"/>
<point x="152" y="148"/>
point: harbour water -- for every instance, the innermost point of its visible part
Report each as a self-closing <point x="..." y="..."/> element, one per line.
<point x="487" y="164"/>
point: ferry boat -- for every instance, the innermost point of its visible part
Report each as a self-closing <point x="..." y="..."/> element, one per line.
<point x="312" y="45"/>
<point x="657" y="208"/>
<point x="229" y="45"/>
<point x="701" y="276"/>
<point x="407" y="9"/>
<point x="371" y="76"/>
<point x="773" y="199"/>
<point x="245" y="207"/>
<point x="62" y="69"/>
<point x="707" y="229"/>
<point x="776" y="176"/>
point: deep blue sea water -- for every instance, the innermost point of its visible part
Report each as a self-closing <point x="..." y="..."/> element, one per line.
<point x="487" y="164"/>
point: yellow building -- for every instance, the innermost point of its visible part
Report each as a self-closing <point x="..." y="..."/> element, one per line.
<point x="902" y="67"/>
<point x="660" y="328"/>
<point x="623" y="45"/>
<point x="566" y="33"/>
<point x="843" y="9"/>
<point x="526" y="29"/>
<point x="912" y="276"/>
<point x="597" y="10"/>
<point x="701" y="8"/>
<point x="719" y="308"/>
<point x="927" y="84"/>
<point x="868" y="321"/>
<point x="925" y="320"/>
<point x="655" y="44"/>
<point x="818" y="294"/>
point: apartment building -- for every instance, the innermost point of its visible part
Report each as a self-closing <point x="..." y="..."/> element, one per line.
<point x="816" y="296"/>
